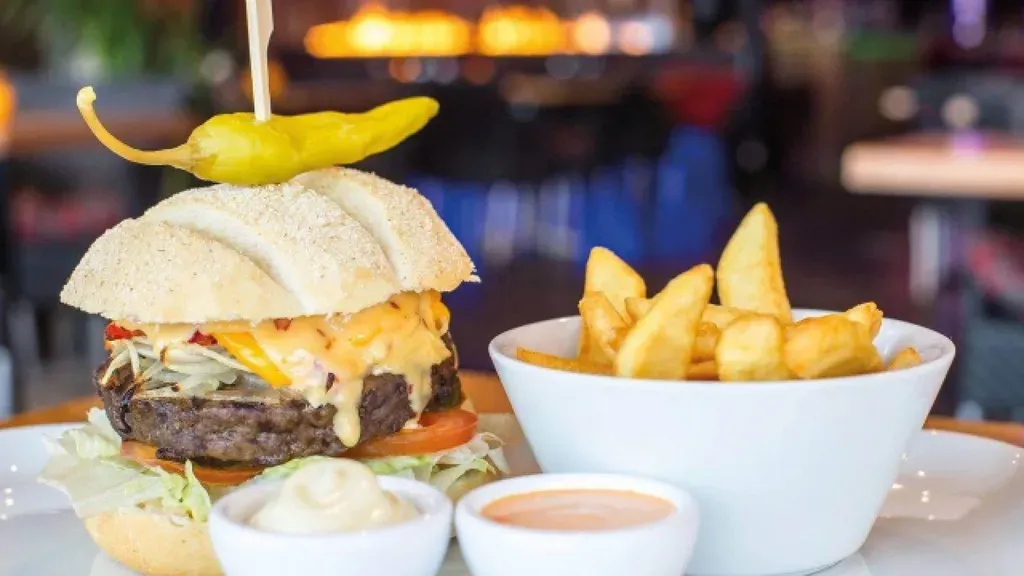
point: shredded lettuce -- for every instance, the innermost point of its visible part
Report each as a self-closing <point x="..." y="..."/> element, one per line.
<point x="442" y="469"/>
<point x="87" y="465"/>
<point x="406" y="466"/>
<point x="285" y="470"/>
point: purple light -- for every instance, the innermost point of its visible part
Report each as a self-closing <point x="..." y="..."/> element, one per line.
<point x="967" y="143"/>
<point x="969" y="22"/>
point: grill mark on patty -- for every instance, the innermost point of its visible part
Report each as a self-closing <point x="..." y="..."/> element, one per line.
<point x="262" y="427"/>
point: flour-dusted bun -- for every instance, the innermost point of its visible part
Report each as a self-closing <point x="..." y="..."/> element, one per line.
<point x="155" y="544"/>
<point x="304" y="241"/>
<point x="330" y="242"/>
<point x="153" y="272"/>
<point x="424" y="253"/>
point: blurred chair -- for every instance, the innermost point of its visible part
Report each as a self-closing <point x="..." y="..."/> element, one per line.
<point x="956" y="179"/>
<point x="992" y="362"/>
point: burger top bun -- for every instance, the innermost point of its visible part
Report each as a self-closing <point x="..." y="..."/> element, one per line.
<point x="334" y="241"/>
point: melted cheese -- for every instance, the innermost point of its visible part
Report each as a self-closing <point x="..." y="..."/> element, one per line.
<point x="401" y="336"/>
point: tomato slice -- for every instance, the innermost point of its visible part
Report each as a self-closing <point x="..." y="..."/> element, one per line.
<point x="438" y="431"/>
<point x="245" y="349"/>
<point x="146" y="454"/>
<point x="117" y="332"/>
<point x="202" y="339"/>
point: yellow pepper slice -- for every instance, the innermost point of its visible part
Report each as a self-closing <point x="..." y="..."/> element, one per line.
<point x="236" y="149"/>
<point x="246" y="350"/>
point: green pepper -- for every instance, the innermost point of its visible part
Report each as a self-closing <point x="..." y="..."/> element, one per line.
<point x="236" y="149"/>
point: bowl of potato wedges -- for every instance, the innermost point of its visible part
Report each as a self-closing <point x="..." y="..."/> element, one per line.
<point x="787" y="425"/>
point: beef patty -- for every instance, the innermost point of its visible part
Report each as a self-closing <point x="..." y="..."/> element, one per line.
<point x="258" y="425"/>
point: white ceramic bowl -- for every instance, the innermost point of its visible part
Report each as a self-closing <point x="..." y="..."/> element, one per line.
<point x="789" y="475"/>
<point x="414" y="548"/>
<point x="660" y="548"/>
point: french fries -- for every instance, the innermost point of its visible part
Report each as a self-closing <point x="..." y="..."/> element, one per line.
<point x="867" y="314"/>
<point x="750" y="270"/>
<point x="604" y="328"/>
<point x="660" y="345"/>
<point x="609" y="275"/>
<point x="559" y="363"/>
<point x="750" y="349"/>
<point x="830" y="346"/>
<point x="636" y="308"/>
<point x="707" y="339"/>
<point x="906" y="358"/>
<point x="705" y="370"/>
<point x="722" y="316"/>
<point x="679" y="335"/>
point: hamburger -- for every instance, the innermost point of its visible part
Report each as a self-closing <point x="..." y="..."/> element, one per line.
<point x="253" y="331"/>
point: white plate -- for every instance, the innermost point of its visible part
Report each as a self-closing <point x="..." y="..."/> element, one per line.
<point x="958" y="508"/>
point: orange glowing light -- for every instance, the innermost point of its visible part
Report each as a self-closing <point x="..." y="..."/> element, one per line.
<point x="8" y="102"/>
<point x="636" y="38"/>
<point x="591" y="33"/>
<point x="277" y="79"/>
<point x="508" y="30"/>
<point x="372" y="30"/>
<point x="328" y="40"/>
<point x="520" y="31"/>
<point x="376" y="31"/>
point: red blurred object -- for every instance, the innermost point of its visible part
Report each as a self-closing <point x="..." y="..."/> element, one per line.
<point x="35" y="217"/>
<point x="202" y="339"/>
<point x="699" y="95"/>
<point x="116" y="332"/>
<point x="996" y="261"/>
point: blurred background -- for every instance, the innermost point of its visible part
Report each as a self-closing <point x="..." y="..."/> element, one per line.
<point x="884" y="134"/>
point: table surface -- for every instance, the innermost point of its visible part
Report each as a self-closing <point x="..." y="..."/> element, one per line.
<point x="956" y="165"/>
<point x="487" y="395"/>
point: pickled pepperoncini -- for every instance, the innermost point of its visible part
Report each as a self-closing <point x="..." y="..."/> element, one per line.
<point x="236" y="149"/>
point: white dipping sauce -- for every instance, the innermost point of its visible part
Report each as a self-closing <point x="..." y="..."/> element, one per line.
<point x="334" y="495"/>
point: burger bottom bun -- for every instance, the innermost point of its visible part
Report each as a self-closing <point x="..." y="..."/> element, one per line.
<point x="153" y="545"/>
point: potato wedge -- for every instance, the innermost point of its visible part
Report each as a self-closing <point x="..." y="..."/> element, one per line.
<point x="722" y="316"/>
<point x="750" y="270"/>
<point x="718" y="316"/>
<point x="707" y="339"/>
<point x="660" y="345"/>
<point x="636" y="308"/>
<point x="830" y="346"/>
<point x="559" y="363"/>
<point x="906" y="358"/>
<point x="867" y="314"/>
<point x="705" y="370"/>
<point x="604" y="328"/>
<point x="611" y="276"/>
<point x="751" y="349"/>
<point x="583" y="349"/>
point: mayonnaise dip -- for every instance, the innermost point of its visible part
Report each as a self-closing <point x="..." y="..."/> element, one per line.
<point x="334" y="495"/>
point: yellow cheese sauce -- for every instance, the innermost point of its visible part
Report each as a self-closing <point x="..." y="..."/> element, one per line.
<point x="401" y="336"/>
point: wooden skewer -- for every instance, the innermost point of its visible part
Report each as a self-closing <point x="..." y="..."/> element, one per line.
<point x="259" y="18"/>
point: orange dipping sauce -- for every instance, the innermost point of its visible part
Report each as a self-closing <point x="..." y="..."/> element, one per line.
<point x="578" y="509"/>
